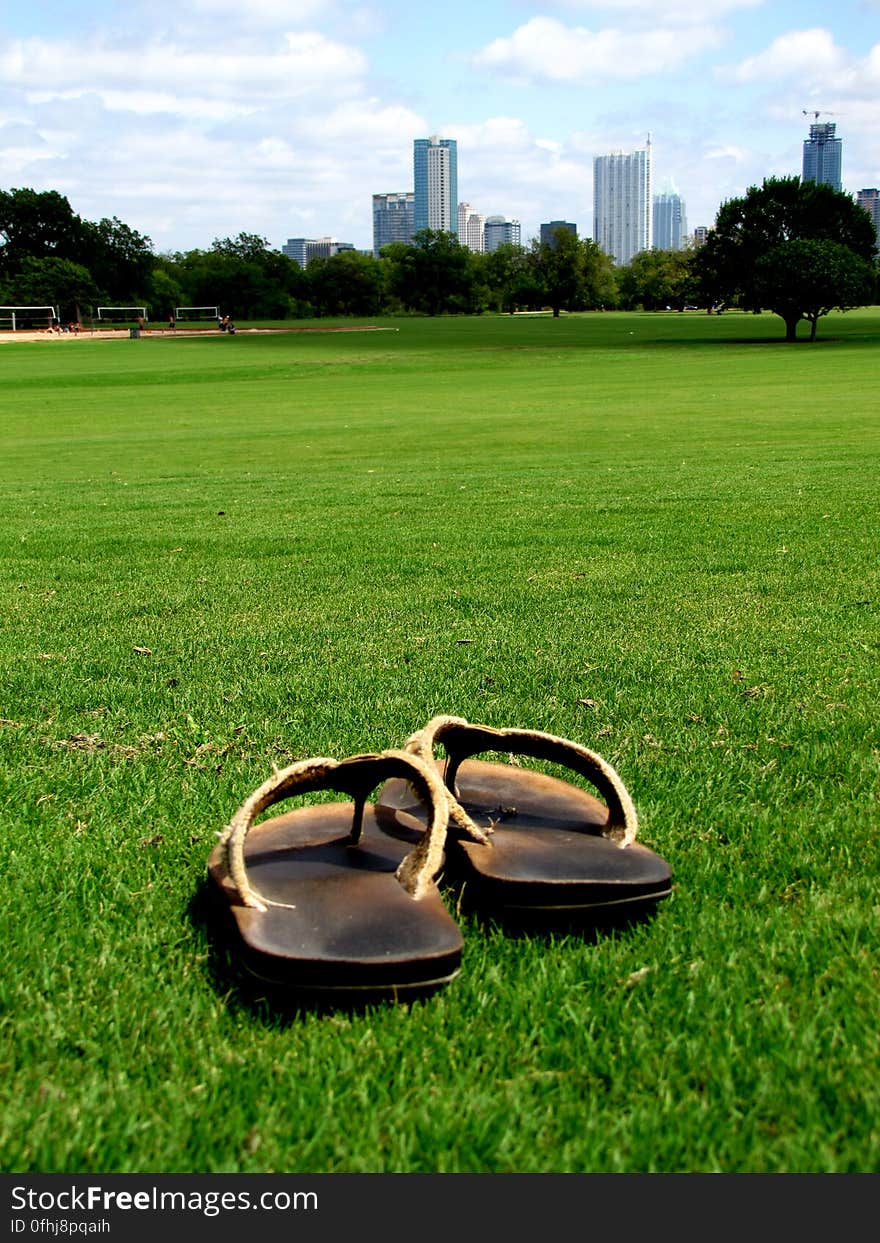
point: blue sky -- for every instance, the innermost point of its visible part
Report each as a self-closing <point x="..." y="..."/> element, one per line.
<point x="205" y="118"/>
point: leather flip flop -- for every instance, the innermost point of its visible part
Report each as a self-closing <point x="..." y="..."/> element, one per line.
<point x="323" y="902"/>
<point x="528" y="844"/>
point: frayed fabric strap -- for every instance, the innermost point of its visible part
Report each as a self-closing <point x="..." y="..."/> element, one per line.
<point x="462" y="740"/>
<point x="357" y="777"/>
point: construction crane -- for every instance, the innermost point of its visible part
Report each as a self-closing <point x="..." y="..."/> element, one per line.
<point x="816" y="114"/>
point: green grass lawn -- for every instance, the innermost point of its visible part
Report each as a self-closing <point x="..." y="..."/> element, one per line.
<point x="654" y="534"/>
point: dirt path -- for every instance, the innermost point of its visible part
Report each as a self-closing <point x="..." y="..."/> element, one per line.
<point x="122" y="334"/>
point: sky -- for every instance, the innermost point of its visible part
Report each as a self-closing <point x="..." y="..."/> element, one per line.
<point x="202" y="119"/>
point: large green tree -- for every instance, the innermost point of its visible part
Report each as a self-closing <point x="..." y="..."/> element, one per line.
<point x="657" y="279"/>
<point x="37" y="225"/>
<point x="50" y="281"/>
<point x="508" y="279"/>
<point x="573" y="273"/>
<point x="242" y="276"/>
<point x="348" y="283"/>
<point x="805" y="279"/>
<point x="435" y="275"/>
<point x="41" y="225"/>
<point x="119" y="259"/>
<point x="744" y="260"/>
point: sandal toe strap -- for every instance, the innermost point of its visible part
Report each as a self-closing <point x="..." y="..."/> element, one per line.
<point x="462" y="740"/>
<point x="357" y="777"/>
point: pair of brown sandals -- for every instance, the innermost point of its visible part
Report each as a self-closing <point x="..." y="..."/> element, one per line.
<point x="340" y="900"/>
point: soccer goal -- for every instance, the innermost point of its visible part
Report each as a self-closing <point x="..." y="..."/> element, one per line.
<point x="116" y="314"/>
<point x="196" y="312"/>
<point x="21" y="317"/>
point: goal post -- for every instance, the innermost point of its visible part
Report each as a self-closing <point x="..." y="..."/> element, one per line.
<point x="119" y="312"/>
<point x="18" y="316"/>
<point x="196" y="312"/>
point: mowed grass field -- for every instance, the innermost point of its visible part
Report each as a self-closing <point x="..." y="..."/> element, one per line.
<point x="656" y="535"/>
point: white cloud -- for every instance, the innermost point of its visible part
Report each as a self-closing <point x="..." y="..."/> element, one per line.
<point x="738" y="155"/>
<point x="799" y="53"/>
<point x="304" y="62"/>
<point x="546" y="49"/>
<point x="280" y="13"/>
<point x="660" y="12"/>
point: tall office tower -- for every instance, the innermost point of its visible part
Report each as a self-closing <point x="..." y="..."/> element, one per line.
<point x="670" y="221"/>
<point x="500" y="229"/>
<point x="622" y="217"/>
<point x="435" y="180"/>
<point x="870" y="201"/>
<point x="548" y="231"/>
<point x="822" y="155"/>
<point x="296" y="248"/>
<point x="303" y="249"/>
<point x="470" y="228"/>
<point x="393" y="219"/>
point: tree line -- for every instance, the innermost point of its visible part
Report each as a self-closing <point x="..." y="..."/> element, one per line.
<point x="794" y="248"/>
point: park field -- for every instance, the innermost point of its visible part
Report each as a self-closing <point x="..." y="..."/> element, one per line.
<point x="654" y="534"/>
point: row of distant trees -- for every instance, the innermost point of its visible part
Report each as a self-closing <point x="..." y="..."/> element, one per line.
<point x="795" y="248"/>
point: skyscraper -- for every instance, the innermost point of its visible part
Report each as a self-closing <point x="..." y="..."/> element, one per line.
<point x="435" y="181"/>
<point x="499" y="230"/>
<point x="822" y="155"/>
<point x="622" y="217"/>
<point x="470" y="228"/>
<point x="303" y="250"/>
<point x="670" y="221"/>
<point x="870" y="201"/>
<point x="548" y="231"/>
<point x="393" y="219"/>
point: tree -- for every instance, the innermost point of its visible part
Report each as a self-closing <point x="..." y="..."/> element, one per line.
<point x="656" y="279"/>
<point x="573" y="273"/>
<point x="434" y="275"/>
<point x="120" y="259"/>
<point x="806" y="279"/>
<point x="508" y="278"/>
<point x="242" y="276"/>
<point x="164" y="291"/>
<point x="52" y="282"/>
<point x="37" y="225"/>
<point x="737" y="263"/>
<point x="348" y="283"/>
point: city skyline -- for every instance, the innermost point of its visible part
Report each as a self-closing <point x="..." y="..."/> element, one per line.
<point x="284" y="117"/>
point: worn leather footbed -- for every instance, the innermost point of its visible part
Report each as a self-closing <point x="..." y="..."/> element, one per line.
<point x="547" y="852"/>
<point x="347" y="923"/>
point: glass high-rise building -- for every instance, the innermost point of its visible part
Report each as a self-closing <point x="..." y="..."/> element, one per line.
<point x="499" y="230"/>
<point x="548" y="231"/>
<point x="823" y="155"/>
<point x="670" y="222"/>
<point x="435" y="182"/>
<point x="393" y="219"/>
<point x="622" y="202"/>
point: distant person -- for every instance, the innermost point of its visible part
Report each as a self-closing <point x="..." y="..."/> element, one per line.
<point x="140" y="323"/>
<point x="171" y="322"/>
<point x="230" y="328"/>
